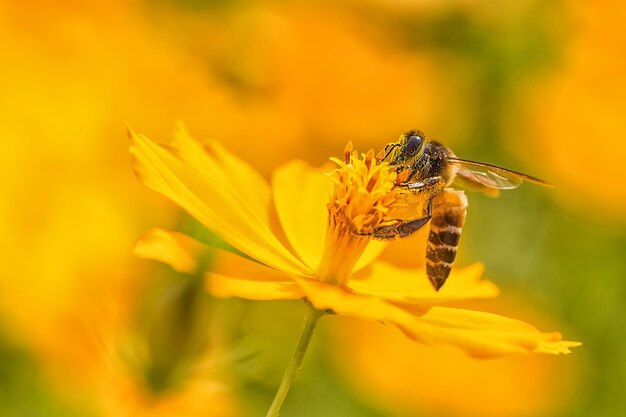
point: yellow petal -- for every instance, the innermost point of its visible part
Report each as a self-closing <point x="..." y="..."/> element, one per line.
<point x="252" y="289"/>
<point x="249" y="184"/>
<point x="385" y="373"/>
<point x="410" y="285"/>
<point x="476" y="333"/>
<point x="172" y="248"/>
<point x="230" y="276"/>
<point x="301" y="196"/>
<point x="484" y="334"/>
<point x="208" y="194"/>
<point x="234" y="276"/>
<point x="372" y="252"/>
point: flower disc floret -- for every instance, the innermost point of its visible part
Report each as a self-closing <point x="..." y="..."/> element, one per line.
<point x="364" y="194"/>
<point x="364" y="197"/>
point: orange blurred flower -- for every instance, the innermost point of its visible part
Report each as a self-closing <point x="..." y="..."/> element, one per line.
<point x="576" y="112"/>
<point x="155" y="355"/>
<point x="140" y="348"/>
<point x="299" y="79"/>
<point x="65" y="223"/>
<point x="233" y="201"/>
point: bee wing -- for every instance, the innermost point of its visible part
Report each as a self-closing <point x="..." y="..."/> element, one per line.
<point x="465" y="179"/>
<point x="490" y="178"/>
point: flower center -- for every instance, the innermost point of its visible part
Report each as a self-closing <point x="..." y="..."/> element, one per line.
<point x="364" y="198"/>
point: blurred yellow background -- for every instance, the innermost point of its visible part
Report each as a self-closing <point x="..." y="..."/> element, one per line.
<point x="86" y="329"/>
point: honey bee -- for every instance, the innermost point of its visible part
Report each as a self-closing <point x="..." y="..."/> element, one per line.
<point x="428" y="168"/>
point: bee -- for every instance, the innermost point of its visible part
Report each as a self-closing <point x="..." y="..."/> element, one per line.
<point x="428" y="168"/>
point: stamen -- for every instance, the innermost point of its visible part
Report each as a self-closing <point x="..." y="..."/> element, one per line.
<point x="369" y="157"/>
<point x="348" y="152"/>
<point x="364" y="198"/>
<point x="403" y="176"/>
<point x="372" y="182"/>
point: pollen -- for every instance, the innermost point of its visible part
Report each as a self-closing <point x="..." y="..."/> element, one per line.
<point x="364" y="197"/>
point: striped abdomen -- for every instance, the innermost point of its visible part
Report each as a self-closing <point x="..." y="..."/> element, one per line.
<point x="446" y="225"/>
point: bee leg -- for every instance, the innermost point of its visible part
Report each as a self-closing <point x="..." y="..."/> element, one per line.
<point x="429" y="184"/>
<point x="412" y="173"/>
<point x="403" y="228"/>
<point x="390" y="147"/>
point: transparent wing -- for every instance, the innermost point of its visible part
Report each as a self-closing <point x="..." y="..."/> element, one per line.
<point x="466" y="182"/>
<point x="483" y="175"/>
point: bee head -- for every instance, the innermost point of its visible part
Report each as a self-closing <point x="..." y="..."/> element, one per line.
<point x="411" y="146"/>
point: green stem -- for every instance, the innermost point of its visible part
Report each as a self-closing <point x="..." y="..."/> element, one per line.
<point x="296" y="361"/>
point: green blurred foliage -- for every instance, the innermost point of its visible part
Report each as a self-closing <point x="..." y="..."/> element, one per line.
<point x="173" y="321"/>
<point x="23" y="391"/>
<point x="271" y="333"/>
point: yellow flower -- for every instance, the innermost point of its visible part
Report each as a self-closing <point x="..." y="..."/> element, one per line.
<point x="298" y="243"/>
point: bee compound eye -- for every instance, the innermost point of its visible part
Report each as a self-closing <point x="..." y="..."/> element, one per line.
<point x="413" y="144"/>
